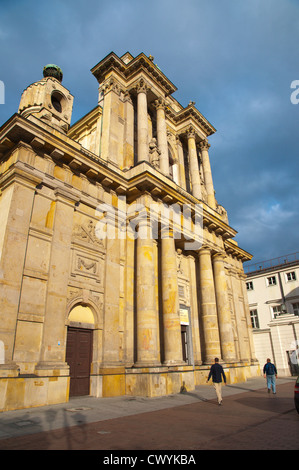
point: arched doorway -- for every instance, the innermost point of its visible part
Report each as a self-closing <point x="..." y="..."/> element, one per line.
<point x="79" y="349"/>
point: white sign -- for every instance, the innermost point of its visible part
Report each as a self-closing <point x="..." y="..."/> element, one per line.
<point x="184" y="316"/>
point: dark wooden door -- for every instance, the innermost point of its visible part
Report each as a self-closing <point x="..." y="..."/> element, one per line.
<point x="78" y="357"/>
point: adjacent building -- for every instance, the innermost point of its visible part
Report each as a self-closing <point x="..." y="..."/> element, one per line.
<point x="273" y="295"/>
<point x="119" y="272"/>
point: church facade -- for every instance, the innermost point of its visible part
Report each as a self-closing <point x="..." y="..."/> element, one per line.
<point x="119" y="272"/>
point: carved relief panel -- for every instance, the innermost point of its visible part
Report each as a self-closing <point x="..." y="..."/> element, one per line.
<point x="88" y="254"/>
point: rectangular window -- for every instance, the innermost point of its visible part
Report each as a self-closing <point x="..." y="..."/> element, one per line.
<point x="254" y="318"/>
<point x="291" y="276"/>
<point x="296" y="308"/>
<point x="271" y="281"/>
<point x="249" y="285"/>
<point x="276" y="310"/>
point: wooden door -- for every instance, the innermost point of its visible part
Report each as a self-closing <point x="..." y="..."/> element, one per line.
<point x="78" y="357"/>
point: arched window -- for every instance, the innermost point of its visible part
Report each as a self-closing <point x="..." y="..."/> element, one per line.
<point x="81" y="314"/>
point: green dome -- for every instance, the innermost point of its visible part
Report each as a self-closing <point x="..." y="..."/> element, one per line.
<point x="52" y="70"/>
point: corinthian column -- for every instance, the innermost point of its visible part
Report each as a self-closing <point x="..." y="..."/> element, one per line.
<point x="224" y="316"/>
<point x="208" y="306"/>
<point x="162" y="136"/>
<point x="147" y="318"/>
<point x="193" y="162"/>
<point x="204" y="146"/>
<point x="170" y="300"/>
<point x="142" y="122"/>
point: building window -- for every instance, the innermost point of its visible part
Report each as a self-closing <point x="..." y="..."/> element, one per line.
<point x="296" y="308"/>
<point x="254" y="318"/>
<point x="276" y="310"/>
<point x="271" y="281"/>
<point x="291" y="276"/>
<point x="249" y="285"/>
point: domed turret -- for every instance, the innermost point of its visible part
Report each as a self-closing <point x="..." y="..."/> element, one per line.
<point x="48" y="100"/>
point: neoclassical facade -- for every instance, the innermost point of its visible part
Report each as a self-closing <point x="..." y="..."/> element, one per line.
<point x="119" y="270"/>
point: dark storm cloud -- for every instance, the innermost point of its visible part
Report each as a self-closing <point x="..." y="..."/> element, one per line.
<point x="235" y="59"/>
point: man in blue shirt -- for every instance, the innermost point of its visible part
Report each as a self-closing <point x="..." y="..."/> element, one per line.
<point x="271" y="373"/>
<point x="217" y="372"/>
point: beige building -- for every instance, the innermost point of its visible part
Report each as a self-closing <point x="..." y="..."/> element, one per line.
<point x="119" y="273"/>
<point x="273" y="295"/>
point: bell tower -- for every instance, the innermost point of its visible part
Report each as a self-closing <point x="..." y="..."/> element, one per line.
<point x="48" y="100"/>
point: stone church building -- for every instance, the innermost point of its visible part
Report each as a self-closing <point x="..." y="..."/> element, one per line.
<point x="119" y="272"/>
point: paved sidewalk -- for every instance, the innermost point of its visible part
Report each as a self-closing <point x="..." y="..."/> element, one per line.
<point x="249" y="418"/>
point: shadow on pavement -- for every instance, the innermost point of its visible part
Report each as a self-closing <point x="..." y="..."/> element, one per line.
<point x="270" y="403"/>
<point x="200" y="398"/>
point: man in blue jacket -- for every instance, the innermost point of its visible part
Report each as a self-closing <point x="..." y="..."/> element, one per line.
<point x="217" y="372"/>
<point x="271" y="373"/>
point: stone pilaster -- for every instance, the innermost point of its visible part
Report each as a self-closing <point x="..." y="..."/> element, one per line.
<point x="111" y="335"/>
<point x="52" y="356"/>
<point x="129" y="132"/>
<point x="111" y="127"/>
<point x="16" y="206"/>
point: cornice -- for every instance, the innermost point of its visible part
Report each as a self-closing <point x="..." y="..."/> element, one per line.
<point x="234" y="250"/>
<point x="130" y="70"/>
<point x="190" y="113"/>
<point x="61" y="149"/>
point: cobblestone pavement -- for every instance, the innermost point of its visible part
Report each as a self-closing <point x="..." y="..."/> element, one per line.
<point x="249" y="419"/>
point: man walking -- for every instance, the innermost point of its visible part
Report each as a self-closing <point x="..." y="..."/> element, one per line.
<point x="217" y="372"/>
<point x="270" y="373"/>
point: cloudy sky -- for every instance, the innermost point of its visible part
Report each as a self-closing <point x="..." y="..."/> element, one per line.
<point x="236" y="59"/>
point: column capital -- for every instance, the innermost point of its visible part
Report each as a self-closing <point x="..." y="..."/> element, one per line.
<point x="190" y="132"/>
<point x="111" y="85"/>
<point x="160" y="103"/>
<point x="204" y="250"/>
<point x="142" y="86"/>
<point x="219" y="256"/>
<point x="204" y="145"/>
